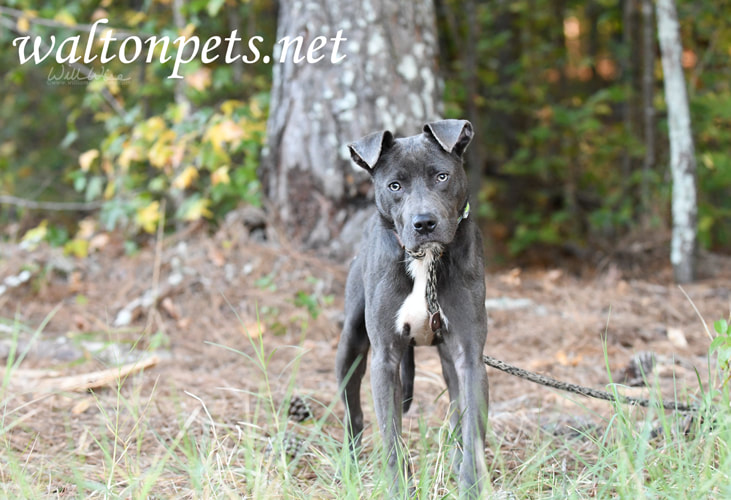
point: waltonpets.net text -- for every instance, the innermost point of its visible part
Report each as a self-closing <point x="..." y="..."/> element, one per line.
<point x="131" y="48"/>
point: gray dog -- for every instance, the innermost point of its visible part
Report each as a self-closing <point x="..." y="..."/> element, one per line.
<point x="419" y="280"/>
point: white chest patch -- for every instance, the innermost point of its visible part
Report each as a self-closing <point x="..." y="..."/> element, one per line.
<point x="413" y="317"/>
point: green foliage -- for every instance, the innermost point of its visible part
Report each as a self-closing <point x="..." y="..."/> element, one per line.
<point x="721" y="346"/>
<point x="204" y="163"/>
<point x="711" y="113"/>
<point x="556" y="105"/>
<point x="138" y="141"/>
<point x="312" y="301"/>
<point x="559" y="112"/>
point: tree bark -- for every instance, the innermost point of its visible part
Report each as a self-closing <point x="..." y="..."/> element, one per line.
<point x="386" y="81"/>
<point x="628" y="77"/>
<point x="682" y="151"/>
<point x="648" y="106"/>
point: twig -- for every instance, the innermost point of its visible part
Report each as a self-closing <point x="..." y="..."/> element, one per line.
<point x="53" y="206"/>
<point x="708" y="332"/>
<point x="156" y="265"/>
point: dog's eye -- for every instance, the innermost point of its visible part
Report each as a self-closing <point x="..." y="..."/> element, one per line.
<point x="395" y="186"/>
<point x="442" y="177"/>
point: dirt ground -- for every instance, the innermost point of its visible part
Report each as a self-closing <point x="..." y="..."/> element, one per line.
<point x="197" y="298"/>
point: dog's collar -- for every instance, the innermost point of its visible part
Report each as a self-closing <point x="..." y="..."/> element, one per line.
<point x="465" y="212"/>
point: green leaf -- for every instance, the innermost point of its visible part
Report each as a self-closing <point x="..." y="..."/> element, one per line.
<point x="79" y="183"/>
<point x="69" y="139"/>
<point x="94" y="188"/>
<point x="214" y="6"/>
<point x="77" y="247"/>
<point x="721" y="327"/>
<point x="717" y="342"/>
<point x="57" y="235"/>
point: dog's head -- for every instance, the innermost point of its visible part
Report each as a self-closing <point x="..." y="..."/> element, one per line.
<point x="420" y="183"/>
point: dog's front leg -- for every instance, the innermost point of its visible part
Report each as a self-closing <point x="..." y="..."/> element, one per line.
<point x="387" y="399"/>
<point x="473" y="403"/>
<point x="462" y="358"/>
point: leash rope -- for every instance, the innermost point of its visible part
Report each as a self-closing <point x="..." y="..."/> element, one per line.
<point x="582" y="390"/>
<point x="435" y="322"/>
<point x="432" y="304"/>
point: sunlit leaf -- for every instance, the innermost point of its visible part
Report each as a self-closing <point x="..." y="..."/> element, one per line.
<point x="136" y="17"/>
<point x="147" y="217"/>
<point x="200" y="79"/>
<point x="214" y="6"/>
<point x="187" y="31"/>
<point x="161" y="152"/>
<point x="65" y="17"/>
<point x="195" y="209"/>
<point x="186" y="178"/>
<point x="87" y="158"/>
<point x="87" y="228"/>
<point x="220" y="176"/>
<point x="32" y="238"/>
<point x="128" y="155"/>
<point x="23" y="25"/>
<point x="150" y="129"/>
<point x="256" y="110"/>
<point x="77" y="247"/>
<point x="228" y="107"/>
<point x="225" y="131"/>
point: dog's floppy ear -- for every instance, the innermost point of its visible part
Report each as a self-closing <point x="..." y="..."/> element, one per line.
<point x="452" y="135"/>
<point x="366" y="151"/>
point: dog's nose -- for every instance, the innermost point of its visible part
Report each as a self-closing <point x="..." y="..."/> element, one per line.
<point x="424" y="223"/>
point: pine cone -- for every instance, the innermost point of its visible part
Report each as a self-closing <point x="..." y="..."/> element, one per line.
<point x="299" y="410"/>
<point x="291" y="444"/>
<point x="638" y="369"/>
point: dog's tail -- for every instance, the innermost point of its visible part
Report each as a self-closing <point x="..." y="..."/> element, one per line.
<point x="407" y="377"/>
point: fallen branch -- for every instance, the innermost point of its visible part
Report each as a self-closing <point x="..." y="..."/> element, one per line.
<point x="93" y="380"/>
<point x="53" y="206"/>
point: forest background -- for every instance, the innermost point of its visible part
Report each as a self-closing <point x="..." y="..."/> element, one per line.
<point x="566" y="97"/>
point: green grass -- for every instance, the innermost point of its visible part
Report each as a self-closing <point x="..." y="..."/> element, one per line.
<point x="127" y="452"/>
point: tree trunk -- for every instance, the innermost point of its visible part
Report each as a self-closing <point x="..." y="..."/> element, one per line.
<point x="648" y="106"/>
<point x="628" y="79"/>
<point x="387" y="80"/>
<point x="474" y="154"/>
<point x="682" y="152"/>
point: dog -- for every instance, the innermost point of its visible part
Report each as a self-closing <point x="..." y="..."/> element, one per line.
<point x="418" y="280"/>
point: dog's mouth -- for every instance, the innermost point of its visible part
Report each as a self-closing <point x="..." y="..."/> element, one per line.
<point x="417" y="244"/>
<point x="431" y="249"/>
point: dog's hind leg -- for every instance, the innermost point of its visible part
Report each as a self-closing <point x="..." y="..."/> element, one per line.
<point x="450" y="377"/>
<point x="407" y="377"/>
<point x="350" y="361"/>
